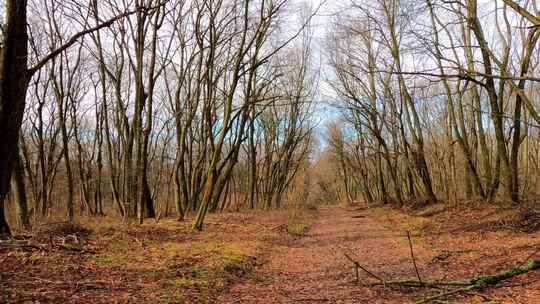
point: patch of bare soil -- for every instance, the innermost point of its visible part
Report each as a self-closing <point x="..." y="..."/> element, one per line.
<point x="314" y="269"/>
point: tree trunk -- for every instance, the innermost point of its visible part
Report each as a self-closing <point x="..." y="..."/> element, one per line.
<point x="531" y="41"/>
<point x="65" y="141"/>
<point x="253" y="192"/>
<point x="496" y="108"/>
<point x="19" y="193"/>
<point x="14" y="77"/>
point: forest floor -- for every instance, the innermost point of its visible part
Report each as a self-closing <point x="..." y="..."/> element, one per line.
<point x="447" y="244"/>
<point x="272" y="257"/>
<point x="99" y="260"/>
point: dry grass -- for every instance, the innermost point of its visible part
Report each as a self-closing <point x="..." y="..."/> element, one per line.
<point x="165" y="262"/>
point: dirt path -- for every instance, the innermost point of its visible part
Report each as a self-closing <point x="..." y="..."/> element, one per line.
<point x="314" y="270"/>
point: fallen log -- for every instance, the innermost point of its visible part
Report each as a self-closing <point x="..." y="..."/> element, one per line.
<point x="483" y="281"/>
<point x="464" y="286"/>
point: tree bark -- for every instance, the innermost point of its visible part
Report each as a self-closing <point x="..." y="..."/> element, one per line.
<point x="19" y="193"/>
<point x="14" y="77"/>
<point x="530" y="44"/>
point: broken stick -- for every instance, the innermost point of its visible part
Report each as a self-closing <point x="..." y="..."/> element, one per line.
<point x="413" y="259"/>
<point x="357" y="266"/>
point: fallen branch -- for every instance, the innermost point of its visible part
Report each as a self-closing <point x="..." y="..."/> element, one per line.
<point x="483" y="281"/>
<point x="424" y="284"/>
<point x="464" y="286"/>
<point x="358" y="266"/>
<point x="278" y="227"/>
<point x="413" y="259"/>
<point x="23" y="246"/>
<point x="446" y="294"/>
